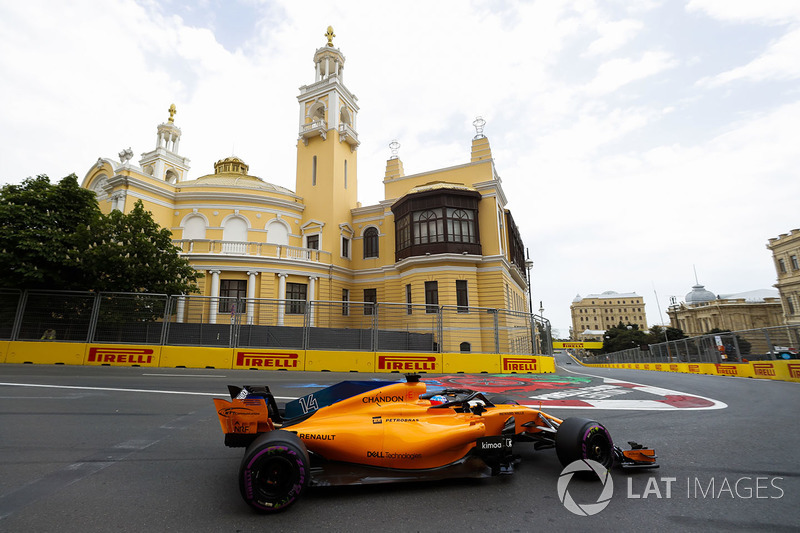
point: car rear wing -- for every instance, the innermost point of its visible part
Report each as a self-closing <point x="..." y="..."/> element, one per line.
<point x="250" y="412"/>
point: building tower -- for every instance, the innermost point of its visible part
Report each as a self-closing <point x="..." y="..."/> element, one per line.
<point x="326" y="155"/>
<point x="164" y="163"/>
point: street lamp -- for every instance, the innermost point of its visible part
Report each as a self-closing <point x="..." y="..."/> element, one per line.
<point x="528" y="267"/>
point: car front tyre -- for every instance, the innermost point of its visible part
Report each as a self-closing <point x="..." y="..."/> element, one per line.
<point x="581" y="438"/>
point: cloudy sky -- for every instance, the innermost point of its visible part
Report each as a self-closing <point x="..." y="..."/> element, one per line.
<point x="635" y="139"/>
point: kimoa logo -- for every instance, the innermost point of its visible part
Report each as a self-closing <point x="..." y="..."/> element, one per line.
<point x="586" y="509"/>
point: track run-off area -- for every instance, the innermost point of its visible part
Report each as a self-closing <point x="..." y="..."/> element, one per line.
<point x="140" y="449"/>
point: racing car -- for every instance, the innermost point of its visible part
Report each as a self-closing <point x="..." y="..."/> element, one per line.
<point x="363" y="432"/>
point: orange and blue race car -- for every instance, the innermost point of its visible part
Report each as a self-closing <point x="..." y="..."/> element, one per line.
<point x="364" y="432"/>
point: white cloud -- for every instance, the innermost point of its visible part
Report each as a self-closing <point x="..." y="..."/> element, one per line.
<point x="620" y="170"/>
<point x="763" y="11"/>
<point x="614" y="35"/>
<point x="778" y="62"/>
<point x="616" y="73"/>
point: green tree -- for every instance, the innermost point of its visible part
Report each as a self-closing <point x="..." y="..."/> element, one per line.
<point x="131" y="253"/>
<point x="55" y="238"/>
<point x="622" y="337"/>
<point x="660" y="334"/>
<point x="37" y="244"/>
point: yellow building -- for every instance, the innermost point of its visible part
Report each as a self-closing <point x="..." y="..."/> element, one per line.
<point x="441" y="238"/>
<point x="595" y="313"/>
<point x="786" y="252"/>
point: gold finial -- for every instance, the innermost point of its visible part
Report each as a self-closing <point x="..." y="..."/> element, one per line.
<point x="330" y="35"/>
<point x="172" y="111"/>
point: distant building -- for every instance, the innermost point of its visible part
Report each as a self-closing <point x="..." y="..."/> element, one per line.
<point x="703" y="311"/>
<point x="786" y="251"/>
<point x="595" y="313"/>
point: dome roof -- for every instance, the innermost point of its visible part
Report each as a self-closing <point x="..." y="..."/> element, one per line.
<point x="436" y="185"/>
<point x="232" y="172"/>
<point x="700" y="295"/>
<point x="235" y="180"/>
<point x="231" y="165"/>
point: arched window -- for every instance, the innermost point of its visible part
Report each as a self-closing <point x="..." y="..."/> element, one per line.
<point x="277" y="232"/>
<point x="318" y="112"/>
<point x="234" y="235"/>
<point x="427" y="227"/>
<point x="194" y="227"/>
<point x="370" y="242"/>
<point x="344" y="117"/>
<point x="460" y="225"/>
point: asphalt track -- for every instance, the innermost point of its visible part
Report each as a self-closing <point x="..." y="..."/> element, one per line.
<point x="136" y="449"/>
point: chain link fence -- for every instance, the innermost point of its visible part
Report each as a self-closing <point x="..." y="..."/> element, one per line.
<point x="134" y="318"/>
<point x="780" y="342"/>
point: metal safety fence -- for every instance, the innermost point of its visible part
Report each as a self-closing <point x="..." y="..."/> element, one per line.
<point x="763" y="344"/>
<point x="179" y="320"/>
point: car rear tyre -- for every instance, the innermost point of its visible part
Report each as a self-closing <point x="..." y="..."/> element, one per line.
<point x="274" y="472"/>
<point x="581" y="438"/>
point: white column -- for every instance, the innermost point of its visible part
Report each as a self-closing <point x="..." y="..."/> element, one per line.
<point x="175" y="144"/>
<point x="312" y="284"/>
<point x="317" y="72"/>
<point x="333" y="115"/>
<point x="121" y="204"/>
<point x="181" y="309"/>
<point x="281" y="297"/>
<point x="214" y="302"/>
<point x="251" y="294"/>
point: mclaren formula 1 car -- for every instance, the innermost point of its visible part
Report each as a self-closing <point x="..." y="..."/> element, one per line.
<point x="362" y="432"/>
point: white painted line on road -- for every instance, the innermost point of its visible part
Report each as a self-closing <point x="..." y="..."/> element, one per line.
<point x="640" y="405"/>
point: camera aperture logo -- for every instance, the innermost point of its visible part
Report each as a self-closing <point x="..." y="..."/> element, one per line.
<point x="585" y="509"/>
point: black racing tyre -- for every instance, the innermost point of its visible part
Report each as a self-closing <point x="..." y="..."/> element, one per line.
<point x="504" y="400"/>
<point x="581" y="438"/>
<point x="274" y="471"/>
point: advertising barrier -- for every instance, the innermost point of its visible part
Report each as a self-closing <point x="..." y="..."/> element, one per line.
<point x="469" y="363"/>
<point x="69" y="353"/>
<point x="252" y="359"/>
<point x="330" y="361"/>
<point x="116" y="355"/>
<point x="778" y="370"/>
<point x="48" y="352"/>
